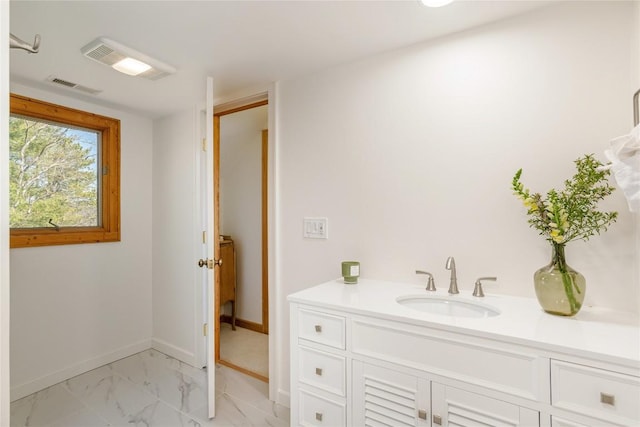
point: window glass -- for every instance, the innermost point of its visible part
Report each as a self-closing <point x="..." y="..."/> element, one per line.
<point x="53" y="174"/>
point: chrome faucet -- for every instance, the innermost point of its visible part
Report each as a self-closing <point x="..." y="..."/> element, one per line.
<point x="453" y="284"/>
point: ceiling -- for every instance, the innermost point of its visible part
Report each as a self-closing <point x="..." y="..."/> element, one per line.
<point x="242" y="44"/>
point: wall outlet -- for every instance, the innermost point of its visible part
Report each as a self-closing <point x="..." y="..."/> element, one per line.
<point x="315" y="228"/>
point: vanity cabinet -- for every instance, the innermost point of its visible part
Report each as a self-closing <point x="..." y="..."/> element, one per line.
<point x="383" y="375"/>
<point x="353" y="364"/>
<point x="321" y="369"/>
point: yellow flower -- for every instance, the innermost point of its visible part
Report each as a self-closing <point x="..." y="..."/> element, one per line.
<point x="530" y="204"/>
<point x="556" y="235"/>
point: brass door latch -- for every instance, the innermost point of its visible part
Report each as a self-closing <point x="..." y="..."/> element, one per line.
<point x="210" y="263"/>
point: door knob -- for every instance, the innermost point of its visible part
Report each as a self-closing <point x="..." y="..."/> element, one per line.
<point x="210" y="263"/>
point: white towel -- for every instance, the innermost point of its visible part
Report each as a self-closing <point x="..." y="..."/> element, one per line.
<point x="624" y="155"/>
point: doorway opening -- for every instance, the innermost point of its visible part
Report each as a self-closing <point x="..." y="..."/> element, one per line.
<point x="240" y="140"/>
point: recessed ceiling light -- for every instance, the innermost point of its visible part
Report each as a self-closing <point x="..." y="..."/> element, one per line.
<point x="125" y="59"/>
<point x="436" y="3"/>
<point x="131" y="66"/>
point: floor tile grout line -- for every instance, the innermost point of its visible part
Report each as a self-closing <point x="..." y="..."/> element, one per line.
<point x="85" y="406"/>
<point x="62" y="385"/>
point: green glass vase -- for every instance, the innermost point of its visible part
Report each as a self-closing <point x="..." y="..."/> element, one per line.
<point x="559" y="288"/>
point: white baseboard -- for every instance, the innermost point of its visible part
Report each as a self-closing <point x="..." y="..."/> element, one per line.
<point x="78" y="368"/>
<point x="284" y="398"/>
<point x="174" y="351"/>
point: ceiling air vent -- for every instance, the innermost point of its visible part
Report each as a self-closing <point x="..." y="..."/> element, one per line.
<point x="103" y="53"/>
<point x="72" y="85"/>
<point x="114" y="54"/>
<point x="63" y="82"/>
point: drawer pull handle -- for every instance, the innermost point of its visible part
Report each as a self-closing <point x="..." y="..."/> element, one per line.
<point x="608" y="399"/>
<point x="319" y="416"/>
<point x="318" y="328"/>
<point x="422" y="414"/>
<point x="319" y="372"/>
<point x="437" y="419"/>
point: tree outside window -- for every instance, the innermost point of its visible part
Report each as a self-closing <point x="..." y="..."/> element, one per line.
<point x="53" y="175"/>
<point x="64" y="175"/>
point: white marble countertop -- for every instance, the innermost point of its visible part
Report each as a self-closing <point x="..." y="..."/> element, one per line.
<point x="595" y="333"/>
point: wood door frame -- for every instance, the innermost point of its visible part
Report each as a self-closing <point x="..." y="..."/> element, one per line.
<point x="216" y="233"/>
<point x="218" y="113"/>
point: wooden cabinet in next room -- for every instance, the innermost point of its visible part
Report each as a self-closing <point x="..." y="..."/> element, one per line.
<point x="228" y="276"/>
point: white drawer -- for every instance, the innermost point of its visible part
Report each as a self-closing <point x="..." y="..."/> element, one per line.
<point x="609" y="396"/>
<point x="322" y="370"/>
<point x="322" y="328"/>
<point x="318" y="411"/>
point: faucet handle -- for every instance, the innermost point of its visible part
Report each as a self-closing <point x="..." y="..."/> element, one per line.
<point x="477" y="290"/>
<point x="431" y="286"/>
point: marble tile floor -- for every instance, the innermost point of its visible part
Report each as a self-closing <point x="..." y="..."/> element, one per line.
<point x="150" y="389"/>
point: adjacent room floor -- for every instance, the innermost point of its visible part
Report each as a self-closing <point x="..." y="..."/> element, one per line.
<point x="245" y="348"/>
<point x="150" y="389"/>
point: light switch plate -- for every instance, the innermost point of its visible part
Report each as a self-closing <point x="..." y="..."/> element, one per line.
<point x="315" y="228"/>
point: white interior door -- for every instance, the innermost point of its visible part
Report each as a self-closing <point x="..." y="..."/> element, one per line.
<point x="210" y="240"/>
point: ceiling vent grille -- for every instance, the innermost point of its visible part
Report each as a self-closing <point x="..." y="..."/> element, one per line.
<point x="109" y="52"/>
<point x="63" y="82"/>
<point x="72" y="85"/>
<point x="104" y="54"/>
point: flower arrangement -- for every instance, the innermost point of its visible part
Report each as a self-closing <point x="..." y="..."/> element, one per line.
<point x="564" y="216"/>
<point x="570" y="214"/>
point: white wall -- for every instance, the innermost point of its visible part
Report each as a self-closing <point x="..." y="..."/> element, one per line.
<point x="635" y="85"/>
<point x="175" y="271"/>
<point x="4" y="218"/>
<point x="241" y="203"/>
<point x="410" y="154"/>
<point x="76" y="307"/>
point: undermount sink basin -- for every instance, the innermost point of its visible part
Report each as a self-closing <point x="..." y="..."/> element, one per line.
<point x="447" y="306"/>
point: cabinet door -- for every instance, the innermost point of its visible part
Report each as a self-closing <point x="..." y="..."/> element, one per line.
<point x="455" y="407"/>
<point x="385" y="397"/>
